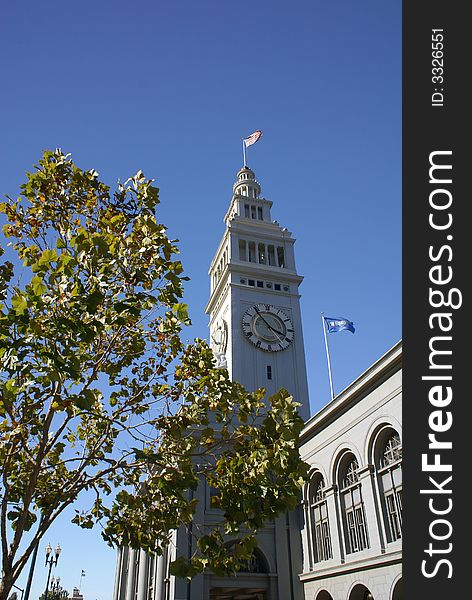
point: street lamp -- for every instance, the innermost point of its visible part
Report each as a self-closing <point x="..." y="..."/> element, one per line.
<point x="50" y="560"/>
<point x="56" y="589"/>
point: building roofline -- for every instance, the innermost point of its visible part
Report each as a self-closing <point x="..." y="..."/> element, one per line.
<point x="379" y="371"/>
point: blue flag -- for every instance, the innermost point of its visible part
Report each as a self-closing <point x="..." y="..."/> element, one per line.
<point x="335" y="325"/>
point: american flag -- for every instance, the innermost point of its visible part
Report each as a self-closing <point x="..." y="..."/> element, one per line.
<point x="252" y="139"/>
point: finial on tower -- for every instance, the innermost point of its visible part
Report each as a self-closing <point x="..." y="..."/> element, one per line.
<point x="249" y="140"/>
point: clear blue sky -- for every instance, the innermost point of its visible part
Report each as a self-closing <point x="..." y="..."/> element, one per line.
<point x="171" y="88"/>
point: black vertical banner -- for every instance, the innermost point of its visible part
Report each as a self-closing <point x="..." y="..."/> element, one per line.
<point x="437" y="397"/>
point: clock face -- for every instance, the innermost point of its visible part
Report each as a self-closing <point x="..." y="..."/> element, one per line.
<point x="268" y="327"/>
<point x="220" y="336"/>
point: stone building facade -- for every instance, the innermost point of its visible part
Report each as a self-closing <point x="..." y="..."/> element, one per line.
<point x="351" y="521"/>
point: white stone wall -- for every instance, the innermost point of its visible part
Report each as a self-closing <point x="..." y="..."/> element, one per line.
<point x="380" y="580"/>
<point x="349" y="423"/>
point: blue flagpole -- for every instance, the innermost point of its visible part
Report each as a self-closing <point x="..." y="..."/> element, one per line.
<point x="327" y="356"/>
<point x="244" y="153"/>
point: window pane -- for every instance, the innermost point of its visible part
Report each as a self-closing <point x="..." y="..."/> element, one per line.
<point x="387" y="481"/>
<point x="353" y="546"/>
<point x="397" y="476"/>
<point x="392" y="450"/>
<point x="393" y="517"/>
<point x="348" y="501"/>
<point x="327" y="541"/>
<point x="350" y="477"/>
<point x="361" y="530"/>
<point x="356" y="496"/>
<point x="280" y="256"/>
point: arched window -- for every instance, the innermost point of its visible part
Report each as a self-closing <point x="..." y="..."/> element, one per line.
<point x="255" y="564"/>
<point x="320" y="538"/>
<point x="360" y="592"/>
<point x="388" y="458"/>
<point x="352" y="506"/>
<point x="398" y="591"/>
<point x="324" y="595"/>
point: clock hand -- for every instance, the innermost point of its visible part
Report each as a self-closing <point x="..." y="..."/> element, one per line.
<point x="276" y="331"/>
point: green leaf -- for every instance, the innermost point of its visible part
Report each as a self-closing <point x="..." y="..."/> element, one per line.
<point x="19" y="304"/>
<point x="181" y="310"/>
<point x="93" y="301"/>
<point x="86" y="399"/>
<point x="47" y="257"/>
<point x="181" y="568"/>
<point x="38" y="286"/>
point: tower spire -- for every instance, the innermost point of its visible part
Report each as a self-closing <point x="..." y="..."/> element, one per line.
<point x="246" y="184"/>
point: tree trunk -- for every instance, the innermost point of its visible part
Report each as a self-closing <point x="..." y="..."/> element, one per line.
<point x="6" y="585"/>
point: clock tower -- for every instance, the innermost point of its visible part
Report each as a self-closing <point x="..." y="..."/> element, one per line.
<point x="256" y="332"/>
<point x="254" y="305"/>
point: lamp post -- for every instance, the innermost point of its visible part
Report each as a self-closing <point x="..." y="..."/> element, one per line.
<point x="55" y="588"/>
<point x="50" y="560"/>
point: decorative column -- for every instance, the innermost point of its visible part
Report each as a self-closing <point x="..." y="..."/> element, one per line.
<point x="370" y="507"/>
<point x="335" y="524"/>
<point x="142" y="575"/>
<point x="159" y="578"/>
<point x="118" y="574"/>
<point x="131" y="583"/>
<point x="306" y="533"/>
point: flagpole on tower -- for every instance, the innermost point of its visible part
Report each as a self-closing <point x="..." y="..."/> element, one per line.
<point x="323" y="322"/>
<point x="82" y="574"/>
<point x="244" y="153"/>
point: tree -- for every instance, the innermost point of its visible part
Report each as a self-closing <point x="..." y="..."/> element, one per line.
<point x="100" y="400"/>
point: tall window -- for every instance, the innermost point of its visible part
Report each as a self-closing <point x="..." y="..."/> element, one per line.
<point x="242" y="250"/>
<point x="353" y="507"/>
<point x="252" y="251"/>
<point x="280" y="256"/>
<point x="320" y="539"/>
<point x="389" y="472"/>
<point x="262" y="254"/>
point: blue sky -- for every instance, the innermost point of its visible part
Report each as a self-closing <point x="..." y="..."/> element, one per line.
<point x="171" y="88"/>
